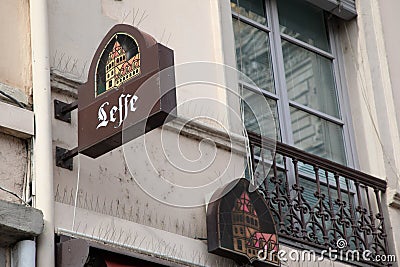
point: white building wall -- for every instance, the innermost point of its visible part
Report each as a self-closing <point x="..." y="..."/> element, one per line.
<point x="108" y="201"/>
<point x="389" y="22"/>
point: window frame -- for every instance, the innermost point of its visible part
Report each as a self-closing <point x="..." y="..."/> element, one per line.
<point x="281" y="91"/>
<point x="278" y="71"/>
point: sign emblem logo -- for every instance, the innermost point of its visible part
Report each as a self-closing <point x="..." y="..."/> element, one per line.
<point x="247" y="236"/>
<point x="119" y="63"/>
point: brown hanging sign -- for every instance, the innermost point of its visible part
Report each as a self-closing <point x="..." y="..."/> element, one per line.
<point x="240" y="226"/>
<point x="110" y="101"/>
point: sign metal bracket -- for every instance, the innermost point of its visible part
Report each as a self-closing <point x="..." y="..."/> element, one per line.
<point x="62" y="110"/>
<point x="64" y="157"/>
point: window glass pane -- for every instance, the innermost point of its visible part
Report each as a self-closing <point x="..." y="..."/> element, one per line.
<point x="253" y="54"/>
<point x="304" y="22"/>
<point x="257" y="117"/>
<point x="309" y="78"/>
<point x="317" y="136"/>
<point x="252" y="9"/>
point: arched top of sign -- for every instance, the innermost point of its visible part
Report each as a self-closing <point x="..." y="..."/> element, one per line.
<point x="240" y="226"/>
<point x="125" y="59"/>
<point x="119" y="62"/>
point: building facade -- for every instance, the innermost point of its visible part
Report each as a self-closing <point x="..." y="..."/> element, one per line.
<point x="319" y="78"/>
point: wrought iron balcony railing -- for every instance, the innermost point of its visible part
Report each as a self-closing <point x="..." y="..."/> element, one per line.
<point x="317" y="202"/>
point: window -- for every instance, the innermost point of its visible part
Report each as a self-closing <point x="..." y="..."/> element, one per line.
<point x="284" y="47"/>
<point x="239" y="244"/>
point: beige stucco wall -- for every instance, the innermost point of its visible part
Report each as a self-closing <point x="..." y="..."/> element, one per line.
<point x="390" y="22"/>
<point x="14" y="169"/>
<point x="15" y="64"/>
<point x="15" y="80"/>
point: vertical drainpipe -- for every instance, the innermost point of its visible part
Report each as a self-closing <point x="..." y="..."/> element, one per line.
<point x="24" y="254"/>
<point x="43" y="155"/>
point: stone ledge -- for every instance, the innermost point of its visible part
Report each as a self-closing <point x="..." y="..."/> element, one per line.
<point x="18" y="222"/>
<point x="200" y="130"/>
<point x="63" y="84"/>
<point x="16" y="121"/>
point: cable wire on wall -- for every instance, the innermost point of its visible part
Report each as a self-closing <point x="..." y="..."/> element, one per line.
<point x="21" y="105"/>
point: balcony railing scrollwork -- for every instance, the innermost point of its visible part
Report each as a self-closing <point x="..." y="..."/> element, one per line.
<point x="317" y="202"/>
